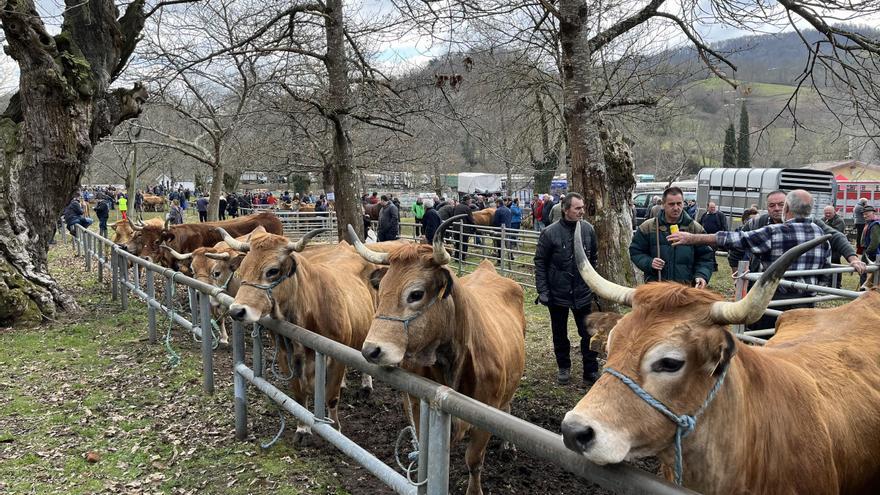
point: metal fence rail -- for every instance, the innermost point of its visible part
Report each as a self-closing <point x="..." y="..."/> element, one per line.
<point x="824" y="293"/>
<point x="438" y="403"/>
<point x="296" y="224"/>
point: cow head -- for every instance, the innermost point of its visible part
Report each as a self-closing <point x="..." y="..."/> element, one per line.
<point x="674" y="344"/>
<point x="412" y="319"/>
<point x="271" y="260"/>
<point x="123" y="230"/>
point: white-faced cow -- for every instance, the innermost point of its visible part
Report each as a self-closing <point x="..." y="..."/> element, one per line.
<point x="329" y="295"/>
<point x="466" y="333"/>
<point x="799" y="415"/>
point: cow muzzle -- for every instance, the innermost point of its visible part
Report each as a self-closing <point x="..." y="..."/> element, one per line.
<point x="383" y="355"/>
<point x="244" y="313"/>
<point x="593" y="440"/>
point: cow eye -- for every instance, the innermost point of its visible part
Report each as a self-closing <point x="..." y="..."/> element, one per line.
<point x="216" y="274"/>
<point x="272" y="272"/>
<point x="415" y="296"/>
<point x="667" y="365"/>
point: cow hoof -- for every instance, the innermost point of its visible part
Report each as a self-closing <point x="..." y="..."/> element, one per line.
<point x="508" y="451"/>
<point x="363" y="393"/>
<point x="303" y="439"/>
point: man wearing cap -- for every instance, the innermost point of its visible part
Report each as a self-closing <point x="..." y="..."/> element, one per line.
<point x="859" y="221"/>
<point x="870" y="237"/>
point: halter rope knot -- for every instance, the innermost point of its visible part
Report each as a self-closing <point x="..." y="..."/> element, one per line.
<point x="685" y="423"/>
<point x="406" y="321"/>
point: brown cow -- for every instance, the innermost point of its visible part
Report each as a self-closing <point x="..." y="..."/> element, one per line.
<point x="124" y="230"/>
<point x="329" y="295"/>
<point x="800" y="415"/>
<point x="484" y="216"/>
<point x="467" y="333"/>
<point x="215" y="266"/>
<point x="154" y="203"/>
<point x="187" y="237"/>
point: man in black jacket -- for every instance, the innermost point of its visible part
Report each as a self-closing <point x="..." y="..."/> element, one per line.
<point x="430" y="221"/>
<point x="561" y="288"/>
<point x="461" y="234"/>
<point x="389" y="221"/>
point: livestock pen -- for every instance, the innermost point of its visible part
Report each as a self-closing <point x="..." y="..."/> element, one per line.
<point x="534" y="441"/>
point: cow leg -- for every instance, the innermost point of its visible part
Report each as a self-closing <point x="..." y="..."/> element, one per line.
<point x="508" y="447"/>
<point x="303" y="435"/>
<point x="366" y="386"/>
<point x="474" y="458"/>
<point x="335" y="376"/>
<point x="220" y="318"/>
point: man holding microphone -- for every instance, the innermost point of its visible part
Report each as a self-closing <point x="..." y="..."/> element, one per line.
<point x="652" y="253"/>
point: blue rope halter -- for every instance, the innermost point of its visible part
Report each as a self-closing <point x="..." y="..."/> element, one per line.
<point x="685" y="423"/>
<point x="266" y="287"/>
<point x="406" y="321"/>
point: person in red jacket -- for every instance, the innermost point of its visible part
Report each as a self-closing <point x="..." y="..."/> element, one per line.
<point x="538" y="212"/>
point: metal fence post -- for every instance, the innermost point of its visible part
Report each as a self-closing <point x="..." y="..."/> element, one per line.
<point x="741" y="288"/>
<point x="207" y="344"/>
<point x="424" y="444"/>
<point x="503" y="252"/>
<point x="122" y="266"/>
<point x="438" y="452"/>
<point x="87" y="239"/>
<point x="113" y="280"/>
<point x="460" y="247"/>
<point x="194" y="305"/>
<point x="239" y="384"/>
<point x="320" y="386"/>
<point x="151" y="311"/>
<point x="257" y="364"/>
<point x="102" y="259"/>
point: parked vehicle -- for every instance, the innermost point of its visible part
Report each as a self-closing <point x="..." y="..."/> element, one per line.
<point x="645" y="191"/>
<point x="849" y="192"/>
<point x="735" y="189"/>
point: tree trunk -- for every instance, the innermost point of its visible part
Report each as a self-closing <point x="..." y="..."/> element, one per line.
<point x="216" y="191"/>
<point x="327" y="176"/>
<point x="62" y="109"/>
<point x="344" y="173"/>
<point x="606" y="184"/>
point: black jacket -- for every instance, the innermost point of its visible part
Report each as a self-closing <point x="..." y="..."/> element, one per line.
<point x="389" y="223"/>
<point x="430" y="222"/>
<point x="463" y="209"/>
<point x="72" y="212"/>
<point x="556" y="275"/>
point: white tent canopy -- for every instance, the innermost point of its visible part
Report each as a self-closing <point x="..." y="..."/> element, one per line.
<point x="471" y="182"/>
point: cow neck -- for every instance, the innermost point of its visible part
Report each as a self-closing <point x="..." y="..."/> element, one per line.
<point x="453" y="356"/>
<point x="737" y="431"/>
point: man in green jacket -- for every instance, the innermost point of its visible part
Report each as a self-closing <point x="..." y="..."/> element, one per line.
<point x="418" y="209"/>
<point x="691" y="265"/>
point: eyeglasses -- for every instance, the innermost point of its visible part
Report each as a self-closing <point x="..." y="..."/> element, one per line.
<point x="771" y="205"/>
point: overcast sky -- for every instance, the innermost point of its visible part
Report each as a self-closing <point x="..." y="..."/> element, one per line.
<point x="397" y="55"/>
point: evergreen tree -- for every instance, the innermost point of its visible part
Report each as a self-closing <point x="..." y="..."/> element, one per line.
<point x="742" y="146"/>
<point x="729" y="159"/>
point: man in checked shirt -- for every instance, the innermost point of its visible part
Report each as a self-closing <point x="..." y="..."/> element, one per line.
<point x="768" y="243"/>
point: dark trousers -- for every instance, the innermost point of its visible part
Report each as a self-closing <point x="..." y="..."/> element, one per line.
<point x="561" y="345"/>
<point x="203" y="216"/>
<point x="860" y="227"/>
<point x="221" y="215"/>
<point x="102" y="226"/>
<point x="461" y="244"/>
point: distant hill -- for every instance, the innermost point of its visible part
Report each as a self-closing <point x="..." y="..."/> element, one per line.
<point x="770" y="58"/>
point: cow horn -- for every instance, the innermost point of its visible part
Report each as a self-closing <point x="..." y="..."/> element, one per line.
<point x="603" y="288"/>
<point x="299" y="245"/>
<point x="752" y="307"/>
<point x="365" y="252"/>
<point x="167" y="223"/>
<point x="134" y="226"/>
<point x="441" y="256"/>
<point x="178" y="256"/>
<point x="219" y="256"/>
<point x="232" y="242"/>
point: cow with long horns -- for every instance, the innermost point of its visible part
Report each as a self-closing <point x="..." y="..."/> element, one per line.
<point x="147" y="240"/>
<point x="329" y="294"/>
<point x="799" y="415"/>
<point x="466" y="333"/>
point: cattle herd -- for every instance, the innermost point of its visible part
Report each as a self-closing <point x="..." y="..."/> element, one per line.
<point x="799" y="415"/>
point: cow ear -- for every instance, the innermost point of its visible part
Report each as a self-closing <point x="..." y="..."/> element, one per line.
<point x="718" y="349"/>
<point x="448" y="275"/>
<point x="292" y="270"/>
<point x="235" y="261"/>
<point x="377" y="275"/>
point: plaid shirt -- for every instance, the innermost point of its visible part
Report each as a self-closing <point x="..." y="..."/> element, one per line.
<point x="768" y="243"/>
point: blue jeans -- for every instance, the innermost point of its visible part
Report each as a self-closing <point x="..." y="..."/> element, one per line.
<point x="84" y="221"/>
